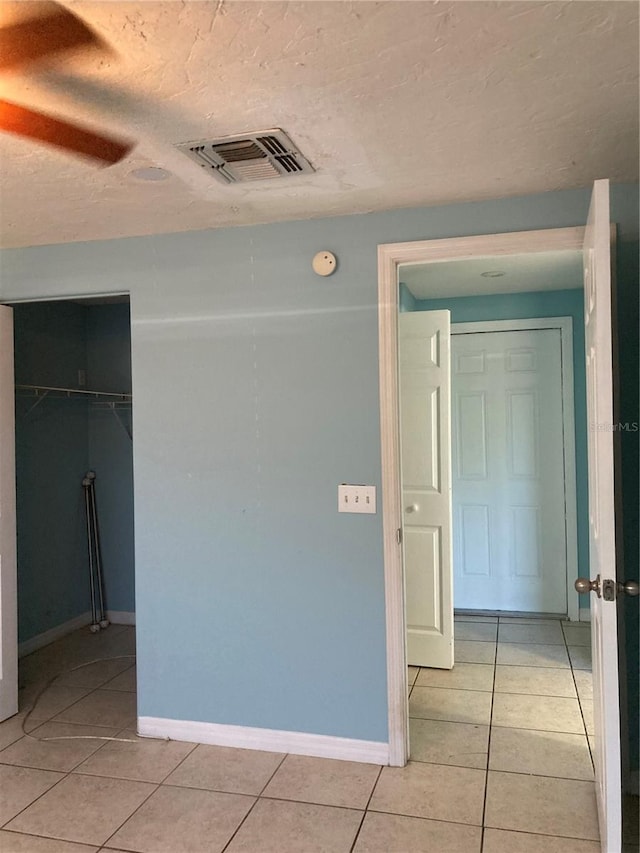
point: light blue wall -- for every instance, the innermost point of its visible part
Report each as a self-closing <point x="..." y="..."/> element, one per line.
<point x="255" y="393"/>
<point x="406" y="299"/>
<point x="110" y="449"/>
<point x="551" y="303"/>
<point x="51" y="459"/>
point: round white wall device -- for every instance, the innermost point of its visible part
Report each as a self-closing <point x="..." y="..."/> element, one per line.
<point x="324" y="263"/>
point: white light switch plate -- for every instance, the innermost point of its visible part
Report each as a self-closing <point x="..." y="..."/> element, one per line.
<point x="356" y="498"/>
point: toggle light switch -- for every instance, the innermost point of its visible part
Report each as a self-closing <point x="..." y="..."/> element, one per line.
<point x="356" y="498"/>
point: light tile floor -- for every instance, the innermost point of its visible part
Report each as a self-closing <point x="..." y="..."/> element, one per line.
<point x="500" y="762"/>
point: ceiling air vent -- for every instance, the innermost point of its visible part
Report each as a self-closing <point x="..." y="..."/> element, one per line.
<point x="250" y="157"/>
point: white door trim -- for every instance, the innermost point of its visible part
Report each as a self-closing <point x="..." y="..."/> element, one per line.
<point x="8" y="558"/>
<point x="390" y="257"/>
<point x="565" y="326"/>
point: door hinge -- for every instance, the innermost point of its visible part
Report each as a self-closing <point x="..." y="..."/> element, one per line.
<point x="399" y="536"/>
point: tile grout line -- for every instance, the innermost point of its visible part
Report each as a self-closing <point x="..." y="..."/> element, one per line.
<point x="584" y="722"/>
<point x="47" y="837"/>
<point x="500" y="692"/>
<point x="511" y="772"/>
<point x="495" y="726"/>
<point x="414" y="816"/>
<point x="135" y="811"/>
<point x="54" y="719"/>
<point x="486" y="773"/>
<point x="3" y="826"/>
<point x="158" y="785"/>
<point x="366" y="809"/>
<point x="179" y="764"/>
<point x="102" y="844"/>
<point x="258" y="797"/>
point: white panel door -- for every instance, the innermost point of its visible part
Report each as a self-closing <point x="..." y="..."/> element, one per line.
<point x="8" y="592"/>
<point x="425" y="439"/>
<point x="510" y="549"/>
<point x="602" y="543"/>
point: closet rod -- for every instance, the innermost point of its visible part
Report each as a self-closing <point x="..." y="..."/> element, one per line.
<point x="46" y="389"/>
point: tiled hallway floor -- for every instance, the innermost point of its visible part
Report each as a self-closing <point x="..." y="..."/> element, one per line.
<point x="500" y="762"/>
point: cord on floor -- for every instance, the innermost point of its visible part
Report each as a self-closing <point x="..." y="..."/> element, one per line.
<point x="71" y="737"/>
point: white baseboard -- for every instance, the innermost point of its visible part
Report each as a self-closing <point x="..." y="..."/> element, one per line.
<point x="121" y="617"/>
<point x="585" y="614"/>
<point x="270" y="740"/>
<point x="53" y="634"/>
<point x="116" y="617"/>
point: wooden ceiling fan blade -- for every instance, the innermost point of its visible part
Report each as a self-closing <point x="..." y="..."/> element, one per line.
<point x="39" y="37"/>
<point x="52" y="131"/>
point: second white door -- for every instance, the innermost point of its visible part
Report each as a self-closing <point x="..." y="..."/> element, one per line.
<point x="510" y="549"/>
<point x="425" y="428"/>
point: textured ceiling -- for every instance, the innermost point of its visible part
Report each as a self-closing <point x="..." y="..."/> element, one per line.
<point x="396" y="104"/>
<point x="522" y="274"/>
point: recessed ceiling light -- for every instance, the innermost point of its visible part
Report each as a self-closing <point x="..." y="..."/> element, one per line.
<point x="150" y="173"/>
<point x="492" y="274"/>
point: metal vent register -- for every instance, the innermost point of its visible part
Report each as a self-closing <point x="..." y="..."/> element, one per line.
<point x="251" y="157"/>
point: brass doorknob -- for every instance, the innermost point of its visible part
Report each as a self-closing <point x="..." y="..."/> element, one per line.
<point x="585" y="585"/>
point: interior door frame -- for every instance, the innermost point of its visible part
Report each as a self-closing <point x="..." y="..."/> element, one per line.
<point x="8" y="555"/>
<point x="390" y="257"/>
<point x="23" y="649"/>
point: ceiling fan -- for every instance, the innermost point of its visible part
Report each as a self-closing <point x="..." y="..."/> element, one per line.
<point x="36" y="38"/>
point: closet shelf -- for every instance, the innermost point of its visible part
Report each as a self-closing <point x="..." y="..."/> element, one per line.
<point x="46" y="390"/>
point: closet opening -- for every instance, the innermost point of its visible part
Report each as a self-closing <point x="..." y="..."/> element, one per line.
<point x="74" y="520"/>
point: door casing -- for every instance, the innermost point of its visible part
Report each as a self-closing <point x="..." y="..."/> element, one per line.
<point x="8" y="556"/>
<point x="390" y="257"/>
